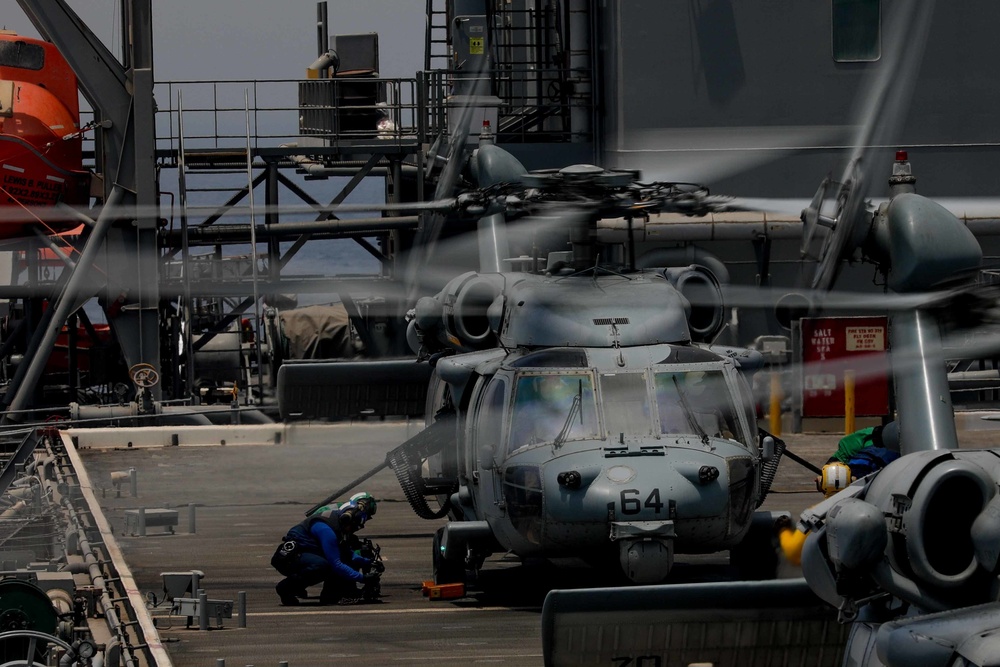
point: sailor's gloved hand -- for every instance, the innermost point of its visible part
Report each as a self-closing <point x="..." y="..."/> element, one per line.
<point x="371" y="578"/>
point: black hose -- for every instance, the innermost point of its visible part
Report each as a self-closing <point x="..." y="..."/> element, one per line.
<point x="802" y="462"/>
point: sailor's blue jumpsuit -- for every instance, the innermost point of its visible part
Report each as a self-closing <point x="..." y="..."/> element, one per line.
<point x="319" y="556"/>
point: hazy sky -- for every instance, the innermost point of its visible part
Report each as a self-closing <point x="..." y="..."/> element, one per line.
<point x="253" y="39"/>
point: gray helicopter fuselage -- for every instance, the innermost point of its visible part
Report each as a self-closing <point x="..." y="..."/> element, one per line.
<point x="596" y="451"/>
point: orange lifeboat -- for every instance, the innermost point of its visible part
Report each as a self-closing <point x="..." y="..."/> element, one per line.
<point x="59" y="359"/>
<point x="40" y="144"/>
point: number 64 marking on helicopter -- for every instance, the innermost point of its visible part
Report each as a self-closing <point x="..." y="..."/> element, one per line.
<point x="630" y="501"/>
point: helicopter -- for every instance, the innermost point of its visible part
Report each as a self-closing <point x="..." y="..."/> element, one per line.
<point x="576" y="404"/>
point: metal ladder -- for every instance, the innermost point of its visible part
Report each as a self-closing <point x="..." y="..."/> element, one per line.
<point x="437" y="40"/>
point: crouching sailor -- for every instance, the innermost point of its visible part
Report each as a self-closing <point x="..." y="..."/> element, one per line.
<point x="319" y="550"/>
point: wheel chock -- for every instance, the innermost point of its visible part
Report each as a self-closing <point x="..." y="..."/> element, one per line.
<point x="442" y="591"/>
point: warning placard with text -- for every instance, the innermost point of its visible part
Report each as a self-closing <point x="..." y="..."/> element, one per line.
<point x="835" y="348"/>
<point x="860" y="339"/>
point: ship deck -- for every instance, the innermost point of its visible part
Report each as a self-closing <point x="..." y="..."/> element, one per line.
<point x="248" y="491"/>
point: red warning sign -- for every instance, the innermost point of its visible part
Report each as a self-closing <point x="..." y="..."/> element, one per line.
<point x="832" y="349"/>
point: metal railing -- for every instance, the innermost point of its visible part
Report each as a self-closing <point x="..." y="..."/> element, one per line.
<point x="535" y="105"/>
<point x="283" y="112"/>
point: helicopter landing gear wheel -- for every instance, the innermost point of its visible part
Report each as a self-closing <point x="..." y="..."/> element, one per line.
<point x="446" y="571"/>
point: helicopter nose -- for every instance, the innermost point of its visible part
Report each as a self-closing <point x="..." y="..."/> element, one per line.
<point x="690" y="494"/>
<point x="654" y="489"/>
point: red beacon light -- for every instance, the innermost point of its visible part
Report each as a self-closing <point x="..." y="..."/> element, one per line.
<point x="902" y="178"/>
<point x="486" y="134"/>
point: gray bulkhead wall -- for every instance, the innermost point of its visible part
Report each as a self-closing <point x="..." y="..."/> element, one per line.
<point x="527" y="34"/>
<point x="719" y="73"/>
<point x="683" y="74"/>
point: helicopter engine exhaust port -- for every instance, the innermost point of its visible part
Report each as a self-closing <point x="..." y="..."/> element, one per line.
<point x="645" y="549"/>
<point x="701" y="289"/>
<point x="926" y="511"/>
<point x="470" y="312"/>
<point x="459" y="315"/>
<point x="792" y="307"/>
<point x="945" y="494"/>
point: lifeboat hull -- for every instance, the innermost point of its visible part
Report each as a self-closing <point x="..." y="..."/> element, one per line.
<point x="40" y="143"/>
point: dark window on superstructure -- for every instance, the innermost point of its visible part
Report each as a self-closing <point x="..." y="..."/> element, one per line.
<point x="21" y="54"/>
<point x="857" y="30"/>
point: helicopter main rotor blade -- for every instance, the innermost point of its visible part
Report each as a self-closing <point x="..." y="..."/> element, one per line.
<point x="710" y="155"/>
<point x="822" y="301"/>
<point x="66" y="214"/>
<point x="784" y="207"/>
<point x="427" y="236"/>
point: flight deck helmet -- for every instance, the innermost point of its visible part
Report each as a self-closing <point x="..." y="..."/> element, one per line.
<point x="363" y="507"/>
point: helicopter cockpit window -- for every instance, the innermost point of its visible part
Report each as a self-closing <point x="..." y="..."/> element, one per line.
<point x="553" y="406"/>
<point x="489" y="422"/>
<point x="696" y="402"/>
<point x="625" y="399"/>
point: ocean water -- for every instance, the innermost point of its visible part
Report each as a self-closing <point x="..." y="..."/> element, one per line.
<point x="317" y="257"/>
<point x="215" y="115"/>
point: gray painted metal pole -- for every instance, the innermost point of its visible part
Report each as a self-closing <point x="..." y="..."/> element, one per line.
<point x="133" y="481"/>
<point x="185" y="246"/>
<point x="64" y="304"/>
<point x="202" y="609"/>
<point x="241" y="609"/>
<point x="253" y="251"/>
<point x="322" y="31"/>
<point x="923" y="399"/>
<point x="191" y="518"/>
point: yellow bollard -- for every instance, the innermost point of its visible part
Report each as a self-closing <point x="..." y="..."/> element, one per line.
<point x="849" y="402"/>
<point x="775" y="409"/>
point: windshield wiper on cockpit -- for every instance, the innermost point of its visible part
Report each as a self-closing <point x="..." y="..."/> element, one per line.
<point x="689" y="413"/>
<point x="574" y="409"/>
